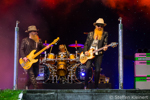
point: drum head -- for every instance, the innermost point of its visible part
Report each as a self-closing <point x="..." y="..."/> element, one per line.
<point x="80" y="73"/>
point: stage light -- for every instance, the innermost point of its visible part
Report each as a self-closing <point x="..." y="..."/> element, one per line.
<point x="41" y="74"/>
<point x="82" y="73"/>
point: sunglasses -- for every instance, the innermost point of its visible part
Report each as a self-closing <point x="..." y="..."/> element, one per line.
<point x="99" y="25"/>
<point x="33" y="31"/>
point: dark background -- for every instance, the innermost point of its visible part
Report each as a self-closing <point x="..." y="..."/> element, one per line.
<point x="69" y="19"/>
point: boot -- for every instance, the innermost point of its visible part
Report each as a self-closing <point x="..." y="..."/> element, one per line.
<point x="97" y="75"/>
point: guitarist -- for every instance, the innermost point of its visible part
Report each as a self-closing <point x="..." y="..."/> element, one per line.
<point x="96" y="39"/>
<point x="27" y="45"/>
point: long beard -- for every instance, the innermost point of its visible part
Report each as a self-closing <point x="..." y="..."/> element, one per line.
<point x="98" y="34"/>
<point x="35" y="38"/>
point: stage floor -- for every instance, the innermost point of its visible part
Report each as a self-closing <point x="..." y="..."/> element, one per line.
<point x="66" y="86"/>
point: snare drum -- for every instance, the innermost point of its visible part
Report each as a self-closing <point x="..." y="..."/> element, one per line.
<point x="50" y="58"/>
<point x="72" y="59"/>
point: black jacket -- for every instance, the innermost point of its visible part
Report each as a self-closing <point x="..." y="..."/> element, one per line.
<point x="90" y="39"/>
<point x="27" y="45"/>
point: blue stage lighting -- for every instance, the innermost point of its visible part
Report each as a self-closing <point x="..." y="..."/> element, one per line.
<point x="82" y="73"/>
<point x="41" y="74"/>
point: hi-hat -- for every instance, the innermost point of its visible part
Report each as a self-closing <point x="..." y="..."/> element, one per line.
<point x="76" y="45"/>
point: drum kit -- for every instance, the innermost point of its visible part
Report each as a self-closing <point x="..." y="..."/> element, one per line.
<point x="63" y="68"/>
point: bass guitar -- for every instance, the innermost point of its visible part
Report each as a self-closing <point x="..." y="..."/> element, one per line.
<point x="31" y="56"/>
<point x="84" y="58"/>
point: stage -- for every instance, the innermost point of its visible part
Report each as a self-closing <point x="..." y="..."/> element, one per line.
<point x="57" y="91"/>
<point x="88" y="94"/>
<point x="66" y="86"/>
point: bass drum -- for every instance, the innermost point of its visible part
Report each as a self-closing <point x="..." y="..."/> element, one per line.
<point x="45" y="72"/>
<point x="61" y="64"/>
<point x="61" y="68"/>
<point x="79" y="73"/>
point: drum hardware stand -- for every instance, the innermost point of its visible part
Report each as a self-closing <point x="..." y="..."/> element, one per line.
<point x="44" y="60"/>
<point x="56" y="78"/>
<point x="45" y="55"/>
<point x="77" y="58"/>
<point x="62" y="79"/>
<point x="53" y="74"/>
<point x="71" y="74"/>
<point x="76" y="53"/>
<point x="52" y="78"/>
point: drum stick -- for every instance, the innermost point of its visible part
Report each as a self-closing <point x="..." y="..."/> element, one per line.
<point x="66" y="50"/>
<point x="51" y="49"/>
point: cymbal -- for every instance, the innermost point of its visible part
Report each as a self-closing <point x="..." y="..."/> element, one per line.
<point x="76" y="45"/>
<point x="46" y="44"/>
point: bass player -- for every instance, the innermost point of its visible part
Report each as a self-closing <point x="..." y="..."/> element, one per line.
<point x="27" y="45"/>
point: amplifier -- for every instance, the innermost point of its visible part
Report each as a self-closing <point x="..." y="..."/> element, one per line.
<point x="142" y="70"/>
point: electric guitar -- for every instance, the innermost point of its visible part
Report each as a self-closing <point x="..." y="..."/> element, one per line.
<point x="31" y="56"/>
<point x="84" y="58"/>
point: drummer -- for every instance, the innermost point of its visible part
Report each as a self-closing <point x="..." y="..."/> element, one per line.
<point x="63" y="53"/>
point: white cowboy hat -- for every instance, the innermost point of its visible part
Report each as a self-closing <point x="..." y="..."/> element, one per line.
<point x="31" y="28"/>
<point x="100" y="21"/>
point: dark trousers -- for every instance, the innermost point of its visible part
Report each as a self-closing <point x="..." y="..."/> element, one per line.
<point x="97" y="63"/>
<point x="32" y="73"/>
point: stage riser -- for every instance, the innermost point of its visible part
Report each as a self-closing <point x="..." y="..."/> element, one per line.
<point x="90" y="94"/>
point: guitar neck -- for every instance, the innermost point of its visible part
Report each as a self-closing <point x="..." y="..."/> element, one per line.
<point x="38" y="53"/>
<point x="100" y="49"/>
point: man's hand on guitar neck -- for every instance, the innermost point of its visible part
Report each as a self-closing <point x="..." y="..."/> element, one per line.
<point x="25" y="59"/>
<point x="47" y="47"/>
<point x="105" y="48"/>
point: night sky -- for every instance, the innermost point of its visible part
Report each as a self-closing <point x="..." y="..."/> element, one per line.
<point x="69" y="19"/>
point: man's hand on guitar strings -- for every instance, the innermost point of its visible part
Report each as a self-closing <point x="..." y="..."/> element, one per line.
<point x="25" y="59"/>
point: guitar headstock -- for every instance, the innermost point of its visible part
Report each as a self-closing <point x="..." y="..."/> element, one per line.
<point x="55" y="41"/>
<point x="113" y="44"/>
